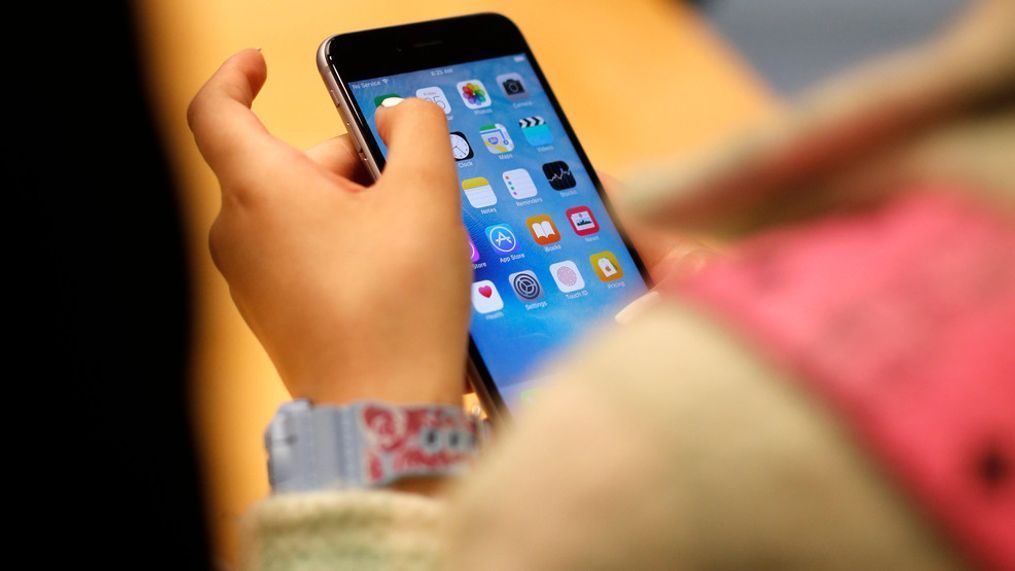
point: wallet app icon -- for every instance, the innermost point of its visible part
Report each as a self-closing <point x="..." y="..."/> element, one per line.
<point x="606" y="266"/>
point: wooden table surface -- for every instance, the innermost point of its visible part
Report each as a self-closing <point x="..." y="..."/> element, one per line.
<point x="642" y="81"/>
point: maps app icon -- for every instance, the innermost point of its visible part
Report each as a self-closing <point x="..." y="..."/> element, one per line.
<point x="496" y="138"/>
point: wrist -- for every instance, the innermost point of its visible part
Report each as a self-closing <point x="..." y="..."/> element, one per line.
<point x="428" y="383"/>
<point x="404" y="391"/>
<point x="368" y="444"/>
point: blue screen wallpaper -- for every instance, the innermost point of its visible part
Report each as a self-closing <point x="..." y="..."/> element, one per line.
<point x="549" y="263"/>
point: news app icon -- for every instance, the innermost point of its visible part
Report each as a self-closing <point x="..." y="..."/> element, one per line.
<point x="582" y="220"/>
<point x="436" y="95"/>
<point x="513" y="86"/>
<point x="558" y="174"/>
<point x="606" y="266"/>
<point x="502" y="238"/>
<point x="478" y="192"/>
<point x="567" y="276"/>
<point x="474" y="94"/>
<point x="526" y="285"/>
<point x="543" y="230"/>
<point x="496" y="138"/>
<point x="485" y="297"/>
<point x="519" y="184"/>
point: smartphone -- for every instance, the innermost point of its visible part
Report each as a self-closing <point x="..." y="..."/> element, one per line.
<point x="549" y="259"/>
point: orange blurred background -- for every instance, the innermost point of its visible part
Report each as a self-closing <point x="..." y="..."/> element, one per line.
<point x="691" y="88"/>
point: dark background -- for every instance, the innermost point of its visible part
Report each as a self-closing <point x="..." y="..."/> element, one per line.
<point x="102" y="463"/>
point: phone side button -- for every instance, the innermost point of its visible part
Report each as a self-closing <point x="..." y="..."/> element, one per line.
<point x="362" y="155"/>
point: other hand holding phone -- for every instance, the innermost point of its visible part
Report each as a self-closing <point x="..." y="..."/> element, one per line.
<point x="356" y="289"/>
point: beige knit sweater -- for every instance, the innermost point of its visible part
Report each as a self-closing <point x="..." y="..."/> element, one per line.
<point x="682" y="465"/>
<point x="669" y="442"/>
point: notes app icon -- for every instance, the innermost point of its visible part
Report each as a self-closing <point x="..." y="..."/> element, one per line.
<point x="543" y="230"/>
<point x="478" y="192"/>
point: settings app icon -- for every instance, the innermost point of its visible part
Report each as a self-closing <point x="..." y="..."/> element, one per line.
<point x="526" y="286"/>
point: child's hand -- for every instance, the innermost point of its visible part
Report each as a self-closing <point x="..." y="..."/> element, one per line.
<point x="356" y="290"/>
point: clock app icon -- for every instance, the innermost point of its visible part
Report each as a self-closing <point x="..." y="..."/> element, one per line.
<point x="460" y="146"/>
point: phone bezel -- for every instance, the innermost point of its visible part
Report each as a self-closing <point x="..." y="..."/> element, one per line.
<point x="367" y="54"/>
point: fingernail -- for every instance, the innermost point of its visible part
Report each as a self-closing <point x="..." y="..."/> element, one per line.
<point x="391" y="101"/>
<point x="258" y="49"/>
<point x="637" y="307"/>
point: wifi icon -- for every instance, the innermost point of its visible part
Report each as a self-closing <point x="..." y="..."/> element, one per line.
<point x="558" y="174"/>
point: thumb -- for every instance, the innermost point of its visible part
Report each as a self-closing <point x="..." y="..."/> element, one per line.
<point x="419" y="150"/>
<point x="224" y="127"/>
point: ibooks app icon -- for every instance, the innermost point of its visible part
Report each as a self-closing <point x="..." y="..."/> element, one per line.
<point x="543" y="230"/>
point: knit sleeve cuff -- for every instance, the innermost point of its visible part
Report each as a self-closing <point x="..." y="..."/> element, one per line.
<point x="349" y="529"/>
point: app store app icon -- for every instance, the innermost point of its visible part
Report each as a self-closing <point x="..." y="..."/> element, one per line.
<point x="502" y="238"/>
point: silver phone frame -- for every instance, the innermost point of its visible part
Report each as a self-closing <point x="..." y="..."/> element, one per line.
<point x="343" y="102"/>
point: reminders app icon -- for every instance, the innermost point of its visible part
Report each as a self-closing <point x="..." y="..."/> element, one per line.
<point x="519" y="184"/>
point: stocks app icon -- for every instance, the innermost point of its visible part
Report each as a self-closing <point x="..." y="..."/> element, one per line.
<point x="526" y="286"/>
<point x="558" y="174"/>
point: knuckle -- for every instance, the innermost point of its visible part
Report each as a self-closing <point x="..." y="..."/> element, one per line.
<point x="215" y="242"/>
<point x="244" y="194"/>
<point x="194" y="110"/>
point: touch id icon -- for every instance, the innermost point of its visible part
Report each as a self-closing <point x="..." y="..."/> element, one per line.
<point x="502" y="238"/>
<point x="567" y="276"/>
<point x="485" y="297"/>
<point x="478" y="192"/>
<point x="543" y="230"/>
<point x="606" y="266"/>
<point x="526" y="285"/>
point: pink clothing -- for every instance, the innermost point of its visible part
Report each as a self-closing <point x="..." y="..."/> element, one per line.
<point x="903" y="319"/>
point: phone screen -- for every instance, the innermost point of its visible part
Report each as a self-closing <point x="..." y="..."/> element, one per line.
<point x="549" y="262"/>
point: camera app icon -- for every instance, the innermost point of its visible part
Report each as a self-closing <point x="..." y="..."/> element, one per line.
<point x="513" y="86"/>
